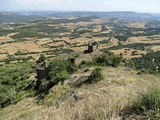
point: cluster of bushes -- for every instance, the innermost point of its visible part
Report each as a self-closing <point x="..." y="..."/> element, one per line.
<point x="78" y="33"/>
<point x="137" y="46"/>
<point x="147" y="104"/>
<point x="13" y="82"/>
<point x="59" y="21"/>
<point x="58" y="71"/>
<point x="103" y="28"/>
<point x="96" y="75"/>
<point x="11" y="58"/>
<point x="5" y="32"/>
<point x="108" y="59"/>
<point x="25" y="33"/>
<point x="102" y="35"/>
<point x="123" y="32"/>
<point x="59" y="50"/>
<point x="50" y="29"/>
<point x="24" y="53"/>
<point x="153" y="24"/>
<point x="147" y="63"/>
<point x="103" y="41"/>
<point x="2" y="43"/>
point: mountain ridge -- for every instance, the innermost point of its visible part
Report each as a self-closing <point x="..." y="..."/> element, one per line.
<point x="6" y="17"/>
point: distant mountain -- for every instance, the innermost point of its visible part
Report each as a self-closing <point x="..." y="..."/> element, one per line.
<point x="30" y="16"/>
<point x="12" y="17"/>
<point x="121" y="15"/>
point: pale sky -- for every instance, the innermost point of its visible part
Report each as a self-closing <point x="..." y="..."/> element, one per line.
<point x="151" y="6"/>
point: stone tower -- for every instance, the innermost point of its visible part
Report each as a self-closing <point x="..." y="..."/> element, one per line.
<point x="92" y="46"/>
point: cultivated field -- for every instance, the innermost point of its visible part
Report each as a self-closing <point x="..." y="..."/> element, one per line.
<point x="56" y="36"/>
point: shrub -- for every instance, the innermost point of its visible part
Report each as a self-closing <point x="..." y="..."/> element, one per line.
<point x="96" y="75"/>
<point x="13" y="82"/>
<point x="108" y="59"/>
<point x="147" y="103"/>
<point x="60" y="76"/>
<point x="59" y="70"/>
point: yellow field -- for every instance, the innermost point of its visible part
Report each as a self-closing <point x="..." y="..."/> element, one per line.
<point x="140" y="39"/>
<point x="155" y="48"/>
<point x="64" y="39"/>
<point x="7" y="38"/>
<point x="3" y="56"/>
<point x="30" y="46"/>
<point x="127" y="53"/>
<point x="43" y="41"/>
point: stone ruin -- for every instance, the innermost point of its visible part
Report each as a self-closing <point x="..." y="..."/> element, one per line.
<point x="92" y="46"/>
<point x="41" y="70"/>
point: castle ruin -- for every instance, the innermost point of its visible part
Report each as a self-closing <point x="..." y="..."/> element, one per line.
<point x="92" y="46"/>
<point x="41" y="70"/>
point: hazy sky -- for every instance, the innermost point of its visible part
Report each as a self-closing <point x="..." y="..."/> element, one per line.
<point x="152" y="6"/>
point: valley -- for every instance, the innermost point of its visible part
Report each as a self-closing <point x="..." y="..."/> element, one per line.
<point x="56" y="36"/>
<point x="79" y="66"/>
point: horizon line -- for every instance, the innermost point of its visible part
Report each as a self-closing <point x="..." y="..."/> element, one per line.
<point x="10" y="11"/>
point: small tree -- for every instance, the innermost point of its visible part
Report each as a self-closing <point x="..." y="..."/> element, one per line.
<point x="58" y="71"/>
<point x="108" y="59"/>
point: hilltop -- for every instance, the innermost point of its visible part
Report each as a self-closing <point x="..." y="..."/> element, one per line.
<point x="79" y="65"/>
<point x="106" y="99"/>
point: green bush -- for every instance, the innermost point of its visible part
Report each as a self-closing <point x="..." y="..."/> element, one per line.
<point x="148" y="103"/>
<point x="148" y="63"/>
<point x="96" y="75"/>
<point x="108" y="59"/>
<point x="58" y="71"/>
<point x="13" y="81"/>
<point x="26" y="33"/>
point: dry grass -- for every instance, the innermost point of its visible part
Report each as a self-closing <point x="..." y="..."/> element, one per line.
<point x="155" y="48"/>
<point x="3" y="56"/>
<point x="127" y="52"/>
<point x="22" y="108"/>
<point x="43" y="41"/>
<point x="140" y="39"/>
<point x="22" y="46"/>
<point x="104" y="100"/>
<point x="113" y="42"/>
<point x="5" y="39"/>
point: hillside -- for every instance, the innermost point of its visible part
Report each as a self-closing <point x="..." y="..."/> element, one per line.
<point x="54" y="36"/>
<point x="106" y="99"/>
<point x="80" y="65"/>
<point x="7" y="17"/>
<point x="125" y="15"/>
<point x="12" y="17"/>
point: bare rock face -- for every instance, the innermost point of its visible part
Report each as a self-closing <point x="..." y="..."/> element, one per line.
<point x="81" y="80"/>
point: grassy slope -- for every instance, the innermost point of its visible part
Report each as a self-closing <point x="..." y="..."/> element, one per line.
<point x="103" y="100"/>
